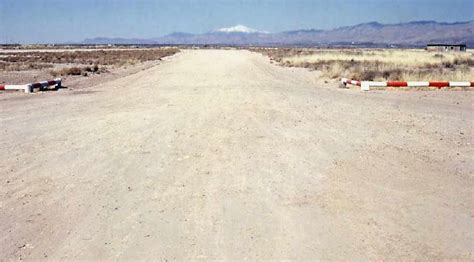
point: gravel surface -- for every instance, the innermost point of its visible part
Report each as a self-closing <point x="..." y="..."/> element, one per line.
<point x="222" y="155"/>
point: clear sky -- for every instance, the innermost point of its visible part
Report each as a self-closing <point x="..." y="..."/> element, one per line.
<point x="41" y="21"/>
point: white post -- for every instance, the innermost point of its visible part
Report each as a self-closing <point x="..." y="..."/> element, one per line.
<point x="29" y="88"/>
<point x="365" y="86"/>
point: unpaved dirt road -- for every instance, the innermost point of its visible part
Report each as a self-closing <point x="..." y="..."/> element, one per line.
<point x="221" y="155"/>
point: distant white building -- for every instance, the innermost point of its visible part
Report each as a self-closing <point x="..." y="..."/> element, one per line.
<point x="446" y="48"/>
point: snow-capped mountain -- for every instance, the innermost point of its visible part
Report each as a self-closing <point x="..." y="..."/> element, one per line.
<point x="417" y="33"/>
<point x="239" y="29"/>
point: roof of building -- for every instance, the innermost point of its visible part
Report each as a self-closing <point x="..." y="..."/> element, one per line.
<point x="460" y="45"/>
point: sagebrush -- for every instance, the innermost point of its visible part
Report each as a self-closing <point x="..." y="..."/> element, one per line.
<point x="378" y="64"/>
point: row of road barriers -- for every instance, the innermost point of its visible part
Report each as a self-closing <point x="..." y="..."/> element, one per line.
<point x="366" y="85"/>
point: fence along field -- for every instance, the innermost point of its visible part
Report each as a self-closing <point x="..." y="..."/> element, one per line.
<point x="379" y="64"/>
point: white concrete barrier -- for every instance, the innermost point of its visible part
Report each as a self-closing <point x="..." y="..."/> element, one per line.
<point x="28" y="88"/>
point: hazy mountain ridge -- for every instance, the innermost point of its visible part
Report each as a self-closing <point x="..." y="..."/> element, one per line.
<point x="417" y="33"/>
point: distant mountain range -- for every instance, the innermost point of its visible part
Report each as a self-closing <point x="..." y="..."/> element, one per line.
<point x="417" y="33"/>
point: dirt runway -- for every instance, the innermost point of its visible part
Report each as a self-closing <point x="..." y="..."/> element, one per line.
<point x="219" y="154"/>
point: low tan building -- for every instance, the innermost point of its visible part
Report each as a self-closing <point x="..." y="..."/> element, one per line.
<point x="446" y="48"/>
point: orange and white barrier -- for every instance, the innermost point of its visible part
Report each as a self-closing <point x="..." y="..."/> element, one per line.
<point x="366" y="85"/>
<point x="28" y="88"/>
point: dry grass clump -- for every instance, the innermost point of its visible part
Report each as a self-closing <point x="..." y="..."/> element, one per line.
<point x="76" y="71"/>
<point x="379" y="64"/>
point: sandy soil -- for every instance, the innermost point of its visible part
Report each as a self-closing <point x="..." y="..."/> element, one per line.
<point x="222" y="155"/>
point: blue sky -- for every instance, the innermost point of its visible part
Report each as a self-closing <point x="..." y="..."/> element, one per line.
<point x="40" y="21"/>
